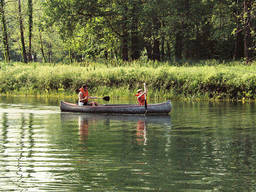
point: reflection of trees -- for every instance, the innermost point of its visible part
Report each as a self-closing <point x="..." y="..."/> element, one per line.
<point x="199" y="150"/>
<point x="15" y="136"/>
<point x="215" y="141"/>
<point x="4" y="143"/>
<point x="4" y="128"/>
<point x="21" y="149"/>
<point x="31" y="134"/>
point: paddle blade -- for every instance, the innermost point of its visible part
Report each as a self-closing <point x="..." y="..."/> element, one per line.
<point x="106" y="98"/>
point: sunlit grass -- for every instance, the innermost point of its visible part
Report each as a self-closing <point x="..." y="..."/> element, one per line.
<point x="208" y="80"/>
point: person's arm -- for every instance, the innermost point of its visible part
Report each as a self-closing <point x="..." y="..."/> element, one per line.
<point x="142" y="94"/>
<point x="92" y="97"/>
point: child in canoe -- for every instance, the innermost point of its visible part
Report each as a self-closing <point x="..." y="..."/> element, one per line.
<point x="141" y="96"/>
<point x="83" y="97"/>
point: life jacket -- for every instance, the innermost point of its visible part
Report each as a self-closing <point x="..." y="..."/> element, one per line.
<point x="85" y="94"/>
<point x="140" y="99"/>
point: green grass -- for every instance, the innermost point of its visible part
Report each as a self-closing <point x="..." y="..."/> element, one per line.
<point x="205" y="80"/>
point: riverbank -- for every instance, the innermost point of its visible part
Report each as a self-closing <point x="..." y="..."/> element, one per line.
<point x="205" y="82"/>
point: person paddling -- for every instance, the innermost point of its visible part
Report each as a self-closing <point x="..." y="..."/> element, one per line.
<point x="141" y="96"/>
<point x="83" y="97"/>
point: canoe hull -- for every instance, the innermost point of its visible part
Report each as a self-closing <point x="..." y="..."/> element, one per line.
<point x="161" y="108"/>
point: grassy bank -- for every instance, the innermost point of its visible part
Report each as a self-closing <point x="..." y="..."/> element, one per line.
<point x="222" y="81"/>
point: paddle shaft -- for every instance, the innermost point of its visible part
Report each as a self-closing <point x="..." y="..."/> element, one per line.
<point x="145" y="92"/>
<point x="106" y="98"/>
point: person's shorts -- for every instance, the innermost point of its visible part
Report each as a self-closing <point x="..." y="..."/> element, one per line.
<point x="82" y="103"/>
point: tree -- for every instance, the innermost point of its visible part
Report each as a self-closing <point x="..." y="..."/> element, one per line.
<point x="247" y="17"/>
<point x="4" y="32"/>
<point x="41" y="45"/>
<point x="166" y="29"/>
<point x="22" y="38"/>
<point x="30" y="26"/>
<point x="244" y="12"/>
<point x="136" y="11"/>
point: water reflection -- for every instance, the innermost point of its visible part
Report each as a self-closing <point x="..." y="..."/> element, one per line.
<point x="31" y="134"/>
<point x="140" y="122"/>
<point x="83" y="128"/>
<point x="16" y="141"/>
<point x="4" y="127"/>
<point x="203" y="148"/>
<point x="141" y="132"/>
<point x="154" y="119"/>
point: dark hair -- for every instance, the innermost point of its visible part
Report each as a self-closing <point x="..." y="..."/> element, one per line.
<point x="84" y="86"/>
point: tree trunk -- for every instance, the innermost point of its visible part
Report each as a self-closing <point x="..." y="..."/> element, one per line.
<point x="149" y="49"/>
<point x="124" y="40"/>
<point x="24" y="54"/>
<point x="125" y="48"/>
<point x="162" y="48"/>
<point x="238" y="44"/>
<point x="30" y="23"/>
<point x="168" y="50"/>
<point x="238" y="49"/>
<point x="50" y="53"/>
<point x="4" y="31"/>
<point x="156" y="50"/>
<point x="156" y="43"/>
<point x="135" y="48"/>
<point x="246" y="30"/>
<point x="42" y="46"/>
<point x="178" y="46"/>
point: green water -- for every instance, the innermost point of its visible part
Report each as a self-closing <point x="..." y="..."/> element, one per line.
<point x="198" y="147"/>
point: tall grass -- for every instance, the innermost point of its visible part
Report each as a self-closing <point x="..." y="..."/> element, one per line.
<point x="211" y="81"/>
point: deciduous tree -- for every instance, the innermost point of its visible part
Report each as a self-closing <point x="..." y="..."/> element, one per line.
<point x="4" y="32"/>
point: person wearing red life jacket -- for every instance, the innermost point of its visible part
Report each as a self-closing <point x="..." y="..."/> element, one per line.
<point x="83" y="97"/>
<point x="141" y="97"/>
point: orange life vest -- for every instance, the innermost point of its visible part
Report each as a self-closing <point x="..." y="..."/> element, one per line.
<point x="85" y="94"/>
<point x="141" y="99"/>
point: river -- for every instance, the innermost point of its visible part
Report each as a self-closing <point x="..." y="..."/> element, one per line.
<point x="200" y="146"/>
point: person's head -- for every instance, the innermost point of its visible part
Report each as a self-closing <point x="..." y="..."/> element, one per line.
<point x="139" y="90"/>
<point x="85" y="86"/>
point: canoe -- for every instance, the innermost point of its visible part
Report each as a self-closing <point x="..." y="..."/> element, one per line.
<point x="159" y="108"/>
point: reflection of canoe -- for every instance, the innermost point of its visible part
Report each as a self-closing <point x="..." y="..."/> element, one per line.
<point x="161" y="108"/>
<point x="154" y="119"/>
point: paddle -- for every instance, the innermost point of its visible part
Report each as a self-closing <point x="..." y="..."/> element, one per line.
<point x="145" y="91"/>
<point x="106" y="98"/>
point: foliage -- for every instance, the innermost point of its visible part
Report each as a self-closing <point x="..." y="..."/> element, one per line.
<point x="163" y="30"/>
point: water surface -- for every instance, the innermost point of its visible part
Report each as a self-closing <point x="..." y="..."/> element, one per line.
<point x="198" y="147"/>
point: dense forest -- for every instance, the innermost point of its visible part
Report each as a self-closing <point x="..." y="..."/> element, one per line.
<point x="158" y="30"/>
